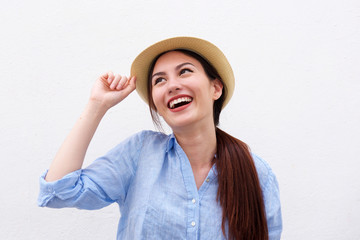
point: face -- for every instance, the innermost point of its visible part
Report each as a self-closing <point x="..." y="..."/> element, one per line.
<point x="182" y="92"/>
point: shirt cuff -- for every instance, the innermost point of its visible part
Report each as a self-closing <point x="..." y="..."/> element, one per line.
<point x="63" y="188"/>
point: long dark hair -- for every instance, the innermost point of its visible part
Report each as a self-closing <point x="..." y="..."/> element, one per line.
<point x="239" y="191"/>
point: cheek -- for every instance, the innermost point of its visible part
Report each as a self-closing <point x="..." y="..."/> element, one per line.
<point x="156" y="96"/>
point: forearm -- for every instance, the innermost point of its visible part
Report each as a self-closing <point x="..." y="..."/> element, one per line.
<point x="71" y="154"/>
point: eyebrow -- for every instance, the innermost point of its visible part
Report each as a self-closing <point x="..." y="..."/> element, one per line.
<point x="176" y="68"/>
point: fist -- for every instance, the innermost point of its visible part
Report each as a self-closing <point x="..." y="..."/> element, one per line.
<point x="110" y="89"/>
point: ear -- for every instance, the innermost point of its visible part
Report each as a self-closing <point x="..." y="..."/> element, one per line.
<point x="218" y="87"/>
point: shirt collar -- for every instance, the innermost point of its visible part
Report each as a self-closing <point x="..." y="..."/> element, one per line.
<point x="171" y="142"/>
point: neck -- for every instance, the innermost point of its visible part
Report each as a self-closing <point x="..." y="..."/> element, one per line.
<point x="199" y="144"/>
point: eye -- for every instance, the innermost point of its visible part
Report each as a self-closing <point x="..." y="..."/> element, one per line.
<point x="185" y="70"/>
<point x="158" y="80"/>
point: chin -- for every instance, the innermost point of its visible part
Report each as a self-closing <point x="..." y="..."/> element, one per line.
<point x="183" y="121"/>
<point x="179" y="123"/>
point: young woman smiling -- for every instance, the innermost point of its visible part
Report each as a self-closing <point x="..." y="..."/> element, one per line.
<point x="196" y="183"/>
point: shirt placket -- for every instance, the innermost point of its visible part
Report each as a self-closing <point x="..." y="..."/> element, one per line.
<point x="193" y="207"/>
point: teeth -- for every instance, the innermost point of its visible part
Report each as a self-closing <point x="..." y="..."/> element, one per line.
<point x="179" y="100"/>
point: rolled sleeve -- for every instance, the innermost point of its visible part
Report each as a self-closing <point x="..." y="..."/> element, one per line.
<point x="63" y="189"/>
<point x="103" y="182"/>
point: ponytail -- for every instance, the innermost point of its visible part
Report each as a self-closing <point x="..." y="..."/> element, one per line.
<point x="239" y="191"/>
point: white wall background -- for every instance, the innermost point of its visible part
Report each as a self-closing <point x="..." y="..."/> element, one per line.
<point x="296" y="102"/>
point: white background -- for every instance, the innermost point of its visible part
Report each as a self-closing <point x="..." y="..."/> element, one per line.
<point x="296" y="100"/>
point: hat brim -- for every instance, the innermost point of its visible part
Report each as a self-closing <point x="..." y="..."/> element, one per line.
<point x="211" y="53"/>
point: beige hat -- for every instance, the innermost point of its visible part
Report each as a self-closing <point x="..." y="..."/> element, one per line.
<point x="140" y="66"/>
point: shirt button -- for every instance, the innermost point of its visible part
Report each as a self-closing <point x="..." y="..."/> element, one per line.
<point x="193" y="200"/>
<point x="207" y="180"/>
<point x="193" y="223"/>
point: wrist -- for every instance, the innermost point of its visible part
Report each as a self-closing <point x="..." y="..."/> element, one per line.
<point x="98" y="108"/>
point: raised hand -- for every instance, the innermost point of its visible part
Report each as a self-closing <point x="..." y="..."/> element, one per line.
<point x="110" y="89"/>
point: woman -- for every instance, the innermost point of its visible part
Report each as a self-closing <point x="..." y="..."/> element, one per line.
<point x="197" y="183"/>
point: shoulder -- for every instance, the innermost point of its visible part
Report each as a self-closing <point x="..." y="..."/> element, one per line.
<point x="153" y="135"/>
<point x="143" y="140"/>
<point x="271" y="194"/>
<point x="139" y="138"/>
<point x="129" y="151"/>
<point x="149" y="138"/>
<point x="266" y="176"/>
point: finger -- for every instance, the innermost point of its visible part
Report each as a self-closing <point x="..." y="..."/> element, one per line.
<point x="115" y="82"/>
<point x="110" y="77"/>
<point x="130" y="87"/>
<point x="132" y="82"/>
<point x="104" y="76"/>
<point x="122" y="83"/>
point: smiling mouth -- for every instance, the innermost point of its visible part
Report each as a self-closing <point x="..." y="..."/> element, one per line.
<point x="179" y="102"/>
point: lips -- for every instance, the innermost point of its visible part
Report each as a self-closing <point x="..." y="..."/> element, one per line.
<point x="179" y="101"/>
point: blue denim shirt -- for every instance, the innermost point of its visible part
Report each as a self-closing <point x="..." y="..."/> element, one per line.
<point x="150" y="178"/>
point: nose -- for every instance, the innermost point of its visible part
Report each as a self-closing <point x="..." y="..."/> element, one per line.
<point x="173" y="85"/>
